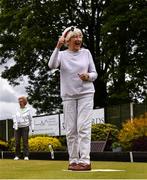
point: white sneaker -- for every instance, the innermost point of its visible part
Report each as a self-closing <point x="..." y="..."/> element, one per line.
<point x="16" y="158"/>
<point x="26" y="158"/>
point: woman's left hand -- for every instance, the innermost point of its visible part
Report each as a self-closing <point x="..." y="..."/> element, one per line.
<point x="84" y="76"/>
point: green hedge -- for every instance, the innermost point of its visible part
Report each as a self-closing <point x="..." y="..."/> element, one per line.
<point x="3" y="145"/>
<point x="133" y="135"/>
<point x="39" y="143"/>
<point x="101" y="131"/>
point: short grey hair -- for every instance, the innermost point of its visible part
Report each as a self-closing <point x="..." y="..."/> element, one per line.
<point x="24" y="98"/>
<point x="70" y="32"/>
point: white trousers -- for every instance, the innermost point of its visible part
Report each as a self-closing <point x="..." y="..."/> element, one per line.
<point x="77" y="119"/>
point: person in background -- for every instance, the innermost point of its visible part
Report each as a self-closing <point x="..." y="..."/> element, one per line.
<point x="77" y="73"/>
<point x="22" y="120"/>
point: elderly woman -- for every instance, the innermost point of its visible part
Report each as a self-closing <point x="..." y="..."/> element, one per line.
<point x="77" y="73"/>
<point x="21" y="122"/>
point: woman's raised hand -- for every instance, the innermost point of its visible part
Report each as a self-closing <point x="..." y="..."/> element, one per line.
<point x="60" y="42"/>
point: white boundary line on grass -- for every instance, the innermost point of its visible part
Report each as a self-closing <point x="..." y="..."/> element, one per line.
<point x="96" y="170"/>
<point x="72" y="179"/>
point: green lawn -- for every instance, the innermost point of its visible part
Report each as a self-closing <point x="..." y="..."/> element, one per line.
<point x="48" y="169"/>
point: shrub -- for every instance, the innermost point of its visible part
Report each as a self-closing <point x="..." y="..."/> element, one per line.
<point x="63" y="142"/>
<point x="101" y="132"/>
<point x="3" y="145"/>
<point x="39" y="135"/>
<point x="139" y="144"/>
<point x="115" y="145"/>
<point x="39" y="144"/>
<point x="11" y="144"/>
<point x="133" y="135"/>
<point x="62" y="139"/>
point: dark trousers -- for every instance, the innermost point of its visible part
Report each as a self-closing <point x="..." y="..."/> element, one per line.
<point x="24" y="134"/>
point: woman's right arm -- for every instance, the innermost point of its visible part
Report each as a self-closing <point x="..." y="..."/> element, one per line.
<point x="54" y="61"/>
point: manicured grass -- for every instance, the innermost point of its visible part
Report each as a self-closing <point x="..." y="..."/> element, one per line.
<point x="48" y="169"/>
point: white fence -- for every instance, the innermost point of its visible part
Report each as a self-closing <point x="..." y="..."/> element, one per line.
<point x="54" y="124"/>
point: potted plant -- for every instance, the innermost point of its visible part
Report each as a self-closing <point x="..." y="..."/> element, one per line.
<point x="116" y="147"/>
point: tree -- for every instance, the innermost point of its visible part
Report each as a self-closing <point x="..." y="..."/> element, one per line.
<point x="29" y="30"/>
<point x="125" y="30"/>
<point x="27" y="35"/>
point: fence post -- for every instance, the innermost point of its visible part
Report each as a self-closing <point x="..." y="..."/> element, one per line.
<point x="131" y="156"/>
<point x="2" y="154"/>
<point x="7" y="133"/>
<point x="131" y="111"/>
